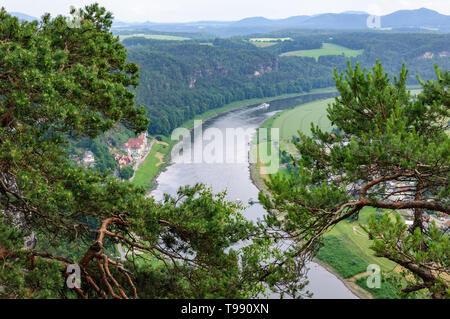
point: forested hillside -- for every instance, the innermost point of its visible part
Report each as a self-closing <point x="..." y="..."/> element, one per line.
<point x="180" y="79"/>
<point x="420" y="51"/>
<point x="70" y="100"/>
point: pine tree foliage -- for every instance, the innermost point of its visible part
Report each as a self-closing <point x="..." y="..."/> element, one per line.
<point x="61" y="81"/>
<point x="390" y="150"/>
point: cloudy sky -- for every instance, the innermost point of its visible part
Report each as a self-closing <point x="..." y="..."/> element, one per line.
<point x="225" y="10"/>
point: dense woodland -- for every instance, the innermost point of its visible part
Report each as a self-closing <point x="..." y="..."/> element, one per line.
<point x="181" y="79"/>
<point x="67" y="88"/>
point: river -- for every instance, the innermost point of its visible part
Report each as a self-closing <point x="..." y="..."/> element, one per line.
<point x="235" y="179"/>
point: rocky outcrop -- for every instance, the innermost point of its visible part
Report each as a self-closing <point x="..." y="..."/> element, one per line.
<point x="266" y="67"/>
<point x="218" y="70"/>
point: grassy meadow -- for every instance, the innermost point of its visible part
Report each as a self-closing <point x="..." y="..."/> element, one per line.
<point x="154" y="37"/>
<point x="153" y="163"/>
<point x="354" y="237"/>
<point x="301" y="117"/>
<point x="346" y="246"/>
<point x="327" y="49"/>
<point x="347" y="251"/>
<point x="266" y="42"/>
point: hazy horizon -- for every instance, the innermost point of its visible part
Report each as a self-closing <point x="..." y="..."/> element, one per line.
<point x="166" y="11"/>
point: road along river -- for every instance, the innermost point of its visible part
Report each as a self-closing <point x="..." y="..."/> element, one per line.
<point x="235" y="177"/>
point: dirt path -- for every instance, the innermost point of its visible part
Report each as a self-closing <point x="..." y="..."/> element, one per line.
<point x="159" y="156"/>
<point x="262" y="170"/>
<point x="161" y="143"/>
<point x="359" y="276"/>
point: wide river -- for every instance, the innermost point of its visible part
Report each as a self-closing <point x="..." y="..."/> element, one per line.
<point x="235" y="178"/>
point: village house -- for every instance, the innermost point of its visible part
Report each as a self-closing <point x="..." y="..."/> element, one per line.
<point x="88" y="159"/>
<point x="124" y="160"/>
<point x="135" y="146"/>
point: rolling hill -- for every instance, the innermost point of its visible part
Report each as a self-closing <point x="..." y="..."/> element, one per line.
<point x="403" y="20"/>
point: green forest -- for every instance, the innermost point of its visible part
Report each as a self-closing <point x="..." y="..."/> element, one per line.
<point x="71" y="231"/>
<point x="180" y="79"/>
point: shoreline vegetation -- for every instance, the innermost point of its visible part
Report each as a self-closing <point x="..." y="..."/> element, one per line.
<point x="149" y="170"/>
<point x="346" y="253"/>
<point x="159" y="158"/>
<point x="259" y="179"/>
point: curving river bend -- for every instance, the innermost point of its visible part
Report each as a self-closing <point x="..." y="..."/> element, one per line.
<point x="235" y="178"/>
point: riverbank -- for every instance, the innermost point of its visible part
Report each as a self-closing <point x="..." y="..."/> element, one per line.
<point x="233" y="177"/>
<point x="347" y="252"/>
<point x="351" y="285"/>
<point x="149" y="170"/>
<point x="312" y="111"/>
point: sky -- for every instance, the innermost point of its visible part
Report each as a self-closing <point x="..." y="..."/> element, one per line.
<point x="221" y="10"/>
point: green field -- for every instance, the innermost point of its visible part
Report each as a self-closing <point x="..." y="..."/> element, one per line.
<point x="301" y="117"/>
<point x="264" y="44"/>
<point x="154" y="37"/>
<point x="327" y="49"/>
<point x="347" y="247"/>
<point x="354" y="238"/>
<point x="269" y="39"/>
<point x="344" y="261"/>
<point x="148" y="170"/>
<point x="347" y="251"/>
<point x="386" y="291"/>
<point x="267" y="42"/>
<point x="289" y="122"/>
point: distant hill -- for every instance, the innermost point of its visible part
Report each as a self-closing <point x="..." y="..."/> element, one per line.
<point x="421" y="18"/>
<point x="403" y="20"/>
<point x="355" y="12"/>
<point x="336" y="21"/>
<point x="22" y="16"/>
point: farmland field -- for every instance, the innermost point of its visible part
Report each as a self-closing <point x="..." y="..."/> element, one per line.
<point x="150" y="168"/>
<point x="348" y="237"/>
<point x="269" y="39"/>
<point x="327" y="49"/>
<point x="266" y="42"/>
<point x="301" y="117"/>
<point x="154" y="37"/>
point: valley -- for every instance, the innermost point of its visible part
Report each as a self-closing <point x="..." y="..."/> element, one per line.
<point x="283" y="157"/>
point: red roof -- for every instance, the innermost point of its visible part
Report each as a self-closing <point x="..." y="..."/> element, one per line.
<point x="135" y="143"/>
